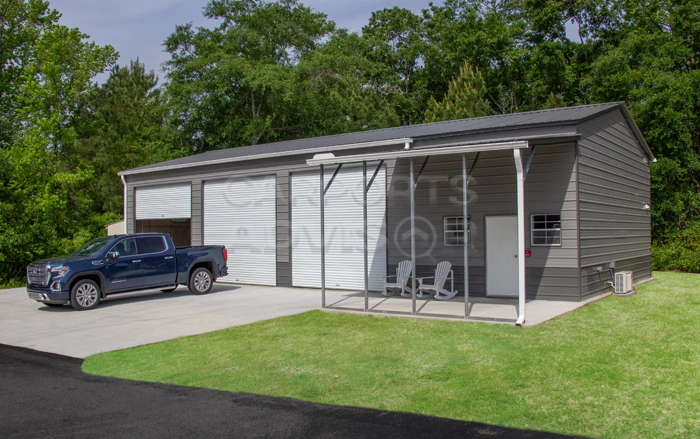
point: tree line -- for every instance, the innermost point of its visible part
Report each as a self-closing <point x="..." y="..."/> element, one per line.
<point x="267" y="71"/>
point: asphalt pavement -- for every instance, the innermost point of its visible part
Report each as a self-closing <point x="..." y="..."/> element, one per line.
<point x="45" y="395"/>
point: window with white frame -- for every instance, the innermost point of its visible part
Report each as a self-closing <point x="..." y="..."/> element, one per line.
<point x="454" y="231"/>
<point x="545" y="229"/>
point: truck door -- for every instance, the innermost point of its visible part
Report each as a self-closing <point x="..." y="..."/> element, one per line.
<point x="125" y="270"/>
<point x="158" y="261"/>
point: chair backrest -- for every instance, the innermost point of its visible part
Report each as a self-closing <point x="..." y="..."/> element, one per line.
<point x="403" y="272"/>
<point x="441" y="273"/>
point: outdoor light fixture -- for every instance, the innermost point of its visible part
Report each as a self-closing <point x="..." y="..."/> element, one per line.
<point x="324" y="155"/>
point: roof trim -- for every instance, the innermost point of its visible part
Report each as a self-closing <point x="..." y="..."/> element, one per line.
<point x="398" y="141"/>
<point x="406" y="134"/>
<point x="419" y="152"/>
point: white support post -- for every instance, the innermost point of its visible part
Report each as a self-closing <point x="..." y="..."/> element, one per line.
<point x="465" y="214"/>
<point x="323" y="239"/>
<point x="412" y="189"/>
<point x="364" y="228"/>
<point x="521" y="235"/>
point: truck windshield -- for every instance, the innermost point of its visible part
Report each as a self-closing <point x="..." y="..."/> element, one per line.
<point x="92" y="248"/>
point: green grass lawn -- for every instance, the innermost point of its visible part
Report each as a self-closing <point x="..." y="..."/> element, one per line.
<point x="618" y="368"/>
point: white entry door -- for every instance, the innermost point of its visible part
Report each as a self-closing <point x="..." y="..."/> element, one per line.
<point x="502" y="256"/>
<point x="240" y="214"/>
<point x="343" y="227"/>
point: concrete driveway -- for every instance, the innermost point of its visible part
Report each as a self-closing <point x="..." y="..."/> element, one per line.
<point x="134" y="319"/>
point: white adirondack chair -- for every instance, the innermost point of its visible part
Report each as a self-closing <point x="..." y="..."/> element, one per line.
<point x="436" y="288"/>
<point x="403" y="274"/>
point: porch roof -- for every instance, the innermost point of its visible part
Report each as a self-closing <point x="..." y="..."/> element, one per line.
<point x="330" y="159"/>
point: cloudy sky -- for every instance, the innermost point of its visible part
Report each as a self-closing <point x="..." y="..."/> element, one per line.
<point x="137" y="28"/>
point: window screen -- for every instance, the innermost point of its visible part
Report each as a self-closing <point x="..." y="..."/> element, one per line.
<point x="545" y="229"/>
<point x="151" y="244"/>
<point x="454" y="231"/>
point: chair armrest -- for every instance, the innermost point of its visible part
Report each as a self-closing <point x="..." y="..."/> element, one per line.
<point x="421" y="279"/>
<point x="452" y="275"/>
<point x="391" y="275"/>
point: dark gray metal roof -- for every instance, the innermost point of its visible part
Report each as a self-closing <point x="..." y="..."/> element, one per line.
<point x="566" y="115"/>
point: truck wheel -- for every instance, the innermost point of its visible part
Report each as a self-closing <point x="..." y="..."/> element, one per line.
<point x="200" y="281"/>
<point x="85" y="295"/>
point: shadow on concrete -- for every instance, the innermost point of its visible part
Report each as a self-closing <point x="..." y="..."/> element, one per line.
<point x="47" y="395"/>
<point x="143" y="296"/>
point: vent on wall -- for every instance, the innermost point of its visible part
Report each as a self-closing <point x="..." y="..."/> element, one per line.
<point x="623" y="282"/>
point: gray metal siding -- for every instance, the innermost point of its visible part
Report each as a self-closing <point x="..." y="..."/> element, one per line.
<point x="130" y="209"/>
<point x="614" y="186"/>
<point x="542" y="283"/>
<point x="284" y="266"/>
<point x="196" y="221"/>
<point x="552" y="272"/>
<point x="550" y="187"/>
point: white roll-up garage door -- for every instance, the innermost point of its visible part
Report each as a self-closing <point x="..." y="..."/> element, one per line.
<point x="240" y="214"/>
<point x="344" y="230"/>
<point x="166" y="201"/>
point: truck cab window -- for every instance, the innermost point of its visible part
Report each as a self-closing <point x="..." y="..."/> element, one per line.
<point x="126" y="247"/>
<point x="151" y="244"/>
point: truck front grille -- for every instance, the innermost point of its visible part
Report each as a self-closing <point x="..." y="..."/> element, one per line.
<point x="38" y="275"/>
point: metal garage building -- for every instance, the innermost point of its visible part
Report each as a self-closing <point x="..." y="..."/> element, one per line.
<point x="578" y="197"/>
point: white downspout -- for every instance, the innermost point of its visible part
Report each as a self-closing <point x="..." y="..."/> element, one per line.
<point x="521" y="236"/>
<point x="125" y="193"/>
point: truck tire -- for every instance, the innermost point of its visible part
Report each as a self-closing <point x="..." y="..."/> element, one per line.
<point x="200" y="281"/>
<point x="85" y="295"/>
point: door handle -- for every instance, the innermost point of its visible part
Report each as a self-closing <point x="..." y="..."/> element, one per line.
<point x="136" y="260"/>
<point x="516" y="256"/>
<point x="168" y="257"/>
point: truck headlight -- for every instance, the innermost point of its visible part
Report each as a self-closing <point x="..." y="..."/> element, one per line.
<point x="60" y="271"/>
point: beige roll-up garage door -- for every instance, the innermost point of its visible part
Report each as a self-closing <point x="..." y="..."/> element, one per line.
<point x="240" y="214"/>
<point x="344" y="230"/>
<point x="164" y="201"/>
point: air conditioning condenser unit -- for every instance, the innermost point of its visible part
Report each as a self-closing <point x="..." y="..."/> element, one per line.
<point x="623" y="282"/>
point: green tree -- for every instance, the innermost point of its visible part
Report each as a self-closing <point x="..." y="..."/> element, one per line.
<point x="464" y="98"/>
<point x="237" y="84"/>
<point x="490" y="37"/>
<point x="395" y="43"/>
<point x="337" y="97"/>
<point x="20" y="24"/>
<point x="122" y="125"/>
<point x="654" y="68"/>
<point x="45" y="209"/>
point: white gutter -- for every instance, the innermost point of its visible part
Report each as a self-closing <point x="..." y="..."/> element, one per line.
<point x="125" y="193"/>
<point x="329" y="159"/>
<point x="520" y="177"/>
<point x="402" y="140"/>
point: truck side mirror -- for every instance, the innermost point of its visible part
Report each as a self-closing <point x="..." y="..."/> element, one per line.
<point x="111" y="255"/>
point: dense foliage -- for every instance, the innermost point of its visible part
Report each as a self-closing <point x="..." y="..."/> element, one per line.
<point x="267" y="71"/>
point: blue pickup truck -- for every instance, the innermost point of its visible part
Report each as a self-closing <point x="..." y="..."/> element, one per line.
<point x="121" y="264"/>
